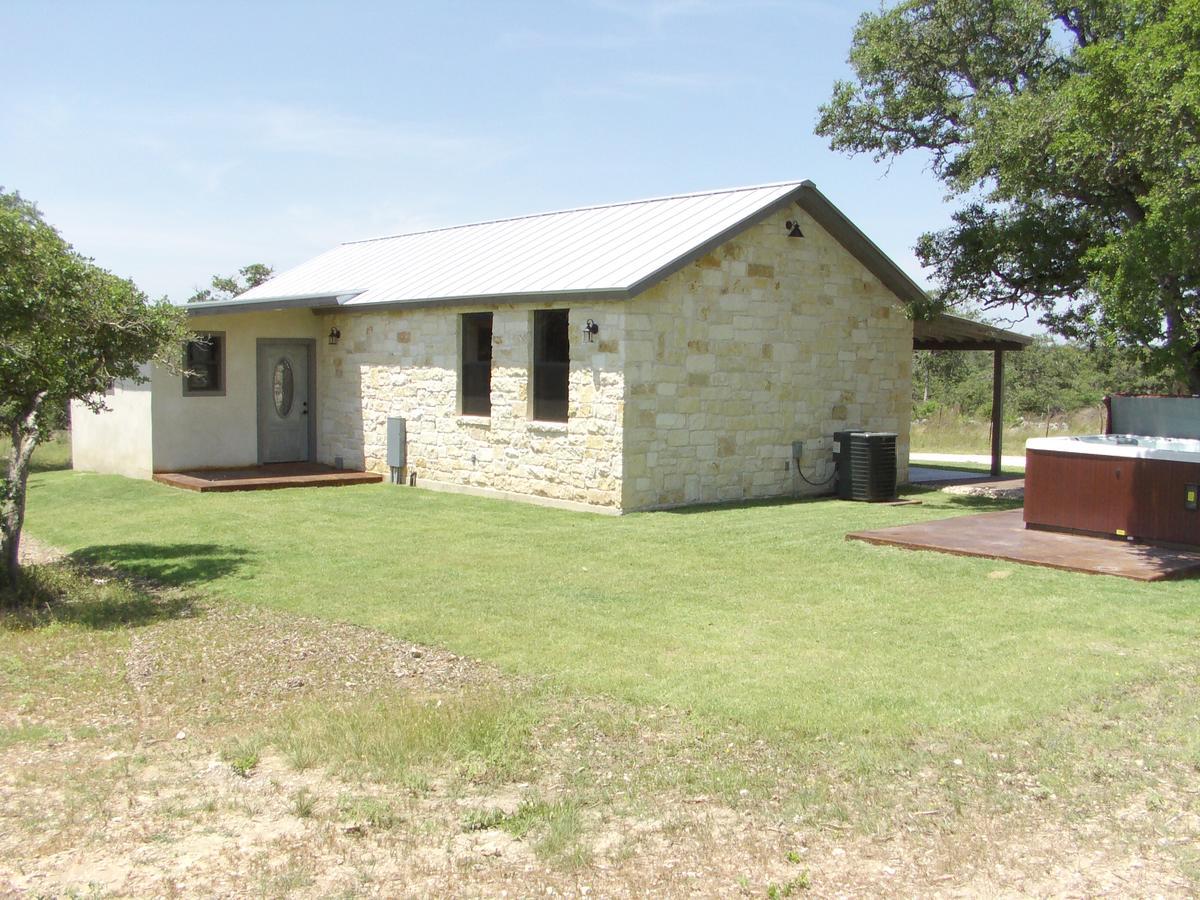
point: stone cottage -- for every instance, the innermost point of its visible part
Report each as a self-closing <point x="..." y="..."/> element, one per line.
<point x="689" y="349"/>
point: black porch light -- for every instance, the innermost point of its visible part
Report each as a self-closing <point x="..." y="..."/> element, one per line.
<point x="334" y="336"/>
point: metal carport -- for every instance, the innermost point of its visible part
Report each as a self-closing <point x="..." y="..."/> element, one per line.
<point x="947" y="332"/>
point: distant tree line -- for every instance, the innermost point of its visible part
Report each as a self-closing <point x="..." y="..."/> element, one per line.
<point x="226" y="287"/>
<point x="1045" y="379"/>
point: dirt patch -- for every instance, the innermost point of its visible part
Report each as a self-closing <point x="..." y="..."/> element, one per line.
<point x="35" y="552"/>
<point x="1001" y="490"/>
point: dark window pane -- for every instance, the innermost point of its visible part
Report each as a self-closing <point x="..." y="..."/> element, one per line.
<point x="202" y="359"/>
<point x="476" y="383"/>
<point x="551" y="364"/>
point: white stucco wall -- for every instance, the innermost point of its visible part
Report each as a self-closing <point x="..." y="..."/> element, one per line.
<point x="116" y="440"/>
<point x="211" y="432"/>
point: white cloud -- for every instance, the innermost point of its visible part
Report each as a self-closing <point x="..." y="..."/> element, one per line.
<point x="655" y="13"/>
<point x="687" y="81"/>
<point x="658" y="14"/>
<point x="170" y="195"/>
<point x="648" y="85"/>
<point x="172" y="133"/>
<point x="537" y="39"/>
<point x="316" y="132"/>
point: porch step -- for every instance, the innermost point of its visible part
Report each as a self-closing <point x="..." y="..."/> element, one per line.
<point x="265" y="478"/>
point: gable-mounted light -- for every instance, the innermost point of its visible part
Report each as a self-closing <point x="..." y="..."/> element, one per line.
<point x="793" y="228"/>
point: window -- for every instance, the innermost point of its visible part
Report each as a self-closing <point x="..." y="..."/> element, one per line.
<point x="204" y="365"/>
<point x="476" y="380"/>
<point x="551" y="364"/>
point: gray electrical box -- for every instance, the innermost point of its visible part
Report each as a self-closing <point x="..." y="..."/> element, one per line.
<point x="397" y="441"/>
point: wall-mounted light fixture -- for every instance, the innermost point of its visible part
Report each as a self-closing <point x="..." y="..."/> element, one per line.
<point x="334" y="336"/>
<point x="591" y="329"/>
<point x="793" y="228"/>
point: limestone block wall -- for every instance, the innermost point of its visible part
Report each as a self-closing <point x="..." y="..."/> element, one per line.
<point x="406" y="363"/>
<point x="767" y="340"/>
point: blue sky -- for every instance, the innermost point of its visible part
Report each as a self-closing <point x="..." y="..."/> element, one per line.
<point x="174" y="140"/>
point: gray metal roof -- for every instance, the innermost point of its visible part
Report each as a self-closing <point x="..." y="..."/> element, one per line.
<point x="603" y="252"/>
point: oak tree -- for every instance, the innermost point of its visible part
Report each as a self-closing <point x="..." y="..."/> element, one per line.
<point x="226" y="287"/>
<point x="68" y="331"/>
<point x="1070" y="132"/>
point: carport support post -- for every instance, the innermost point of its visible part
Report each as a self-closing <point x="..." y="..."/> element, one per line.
<point x="997" y="409"/>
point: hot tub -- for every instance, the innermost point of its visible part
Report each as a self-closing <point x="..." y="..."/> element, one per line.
<point x="1117" y="485"/>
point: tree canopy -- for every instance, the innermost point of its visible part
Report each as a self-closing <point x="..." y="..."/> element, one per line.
<point x="68" y="331"/>
<point x="226" y="287"/>
<point x="1071" y="134"/>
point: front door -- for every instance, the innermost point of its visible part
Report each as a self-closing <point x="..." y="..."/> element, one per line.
<point x="283" y="420"/>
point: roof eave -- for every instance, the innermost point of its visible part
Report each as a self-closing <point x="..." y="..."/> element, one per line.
<point x="516" y="299"/>
<point x="949" y="332"/>
<point x="261" y="304"/>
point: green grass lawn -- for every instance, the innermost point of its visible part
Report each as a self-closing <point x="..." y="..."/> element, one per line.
<point x="760" y="618"/>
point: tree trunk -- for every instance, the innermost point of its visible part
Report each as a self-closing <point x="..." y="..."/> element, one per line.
<point x="1181" y="342"/>
<point x="24" y="435"/>
<point x="1193" y="370"/>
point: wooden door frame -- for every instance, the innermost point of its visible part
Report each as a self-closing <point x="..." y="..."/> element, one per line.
<point x="311" y="345"/>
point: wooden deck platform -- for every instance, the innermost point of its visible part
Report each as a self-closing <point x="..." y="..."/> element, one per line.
<point x="265" y="478"/>
<point x="1003" y="535"/>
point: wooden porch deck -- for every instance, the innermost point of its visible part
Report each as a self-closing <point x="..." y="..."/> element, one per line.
<point x="1003" y="535"/>
<point x="265" y="478"/>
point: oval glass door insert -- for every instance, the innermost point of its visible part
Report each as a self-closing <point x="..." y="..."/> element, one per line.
<point x="283" y="387"/>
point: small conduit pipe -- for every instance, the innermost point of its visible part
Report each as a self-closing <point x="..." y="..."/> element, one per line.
<point x="797" y="452"/>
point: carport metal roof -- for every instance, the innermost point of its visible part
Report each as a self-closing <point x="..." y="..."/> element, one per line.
<point x="947" y="332"/>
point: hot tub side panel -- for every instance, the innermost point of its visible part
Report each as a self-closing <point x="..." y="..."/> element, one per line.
<point x="1144" y="499"/>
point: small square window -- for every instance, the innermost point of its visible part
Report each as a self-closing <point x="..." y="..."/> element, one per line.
<point x="475" y="383"/>
<point x="551" y="364"/>
<point x="204" y="365"/>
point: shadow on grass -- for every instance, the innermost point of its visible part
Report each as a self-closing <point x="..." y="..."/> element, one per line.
<point x="909" y="492"/>
<point x="978" y="502"/>
<point x="48" y="465"/>
<point x="731" y="505"/>
<point x="982" y="504"/>
<point x="65" y="594"/>
<point x="176" y="565"/>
